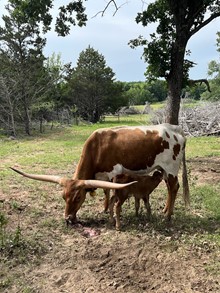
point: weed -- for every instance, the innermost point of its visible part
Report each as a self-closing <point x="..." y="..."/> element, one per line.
<point x="9" y="240"/>
<point x="49" y="223"/>
<point x="3" y="223"/>
<point x="5" y="282"/>
<point x="15" y="205"/>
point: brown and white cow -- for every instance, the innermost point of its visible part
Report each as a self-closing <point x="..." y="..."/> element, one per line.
<point x="136" y="148"/>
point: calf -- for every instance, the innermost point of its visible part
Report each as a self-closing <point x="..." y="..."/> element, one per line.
<point x="140" y="190"/>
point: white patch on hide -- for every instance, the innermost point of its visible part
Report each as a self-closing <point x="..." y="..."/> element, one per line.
<point x="107" y="176"/>
<point x="117" y="169"/>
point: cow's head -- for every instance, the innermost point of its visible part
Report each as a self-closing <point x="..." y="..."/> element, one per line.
<point x="74" y="190"/>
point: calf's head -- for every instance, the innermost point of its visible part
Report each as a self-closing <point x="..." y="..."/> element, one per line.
<point x="154" y="180"/>
<point x="74" y="191"/>
<point x="157" y="176"/>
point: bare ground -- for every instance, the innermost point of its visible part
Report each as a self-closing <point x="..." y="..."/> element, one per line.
<point x="144" y="257"/>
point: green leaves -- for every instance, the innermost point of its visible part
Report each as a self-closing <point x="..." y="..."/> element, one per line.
<point x="40" y="11"/>
<point x="65" y="18"/>
<point x="33" y="11"/>
<point x="176" y="22"/>
<point x="91" y="84"/>
<point x="214" y="73"/>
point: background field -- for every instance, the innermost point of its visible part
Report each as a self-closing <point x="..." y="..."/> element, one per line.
<point x="40" y="254"/>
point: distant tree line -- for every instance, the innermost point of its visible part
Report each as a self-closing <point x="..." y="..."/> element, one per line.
<point x="34" y="89"/>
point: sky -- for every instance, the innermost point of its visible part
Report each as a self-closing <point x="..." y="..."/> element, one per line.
<point x="110" y="34"/>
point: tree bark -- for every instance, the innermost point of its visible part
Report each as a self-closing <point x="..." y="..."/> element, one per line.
<point x="26" y="113"/>
<point x="173" y="101"/>
<point x="13" y="129"/>
<point x="27" y="121"/>
<point x="175" y="80"/>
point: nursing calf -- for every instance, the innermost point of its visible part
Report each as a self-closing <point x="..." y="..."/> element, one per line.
<point x="140" y="190"/>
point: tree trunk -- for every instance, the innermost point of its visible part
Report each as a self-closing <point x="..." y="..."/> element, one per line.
<point x="12" y="118"/>
<point x="173" y="100"/>
<point x="27" y="121"/>
<point x="13" y="130"/>
<point x="25" y="102"/>
<point x="41" y="124"/>
<point x="175" y="81"/>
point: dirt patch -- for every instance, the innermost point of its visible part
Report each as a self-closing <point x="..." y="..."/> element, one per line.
<point x="119" y="262"/>
<point x="205" y="170"/>
<point x="144" y="257"/>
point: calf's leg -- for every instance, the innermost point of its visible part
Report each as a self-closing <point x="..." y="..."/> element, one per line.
<point x="137" y="206"/>
<point x="147" y="206"/>
<point x="111" y="208"/>
<point x="118" y="210"/>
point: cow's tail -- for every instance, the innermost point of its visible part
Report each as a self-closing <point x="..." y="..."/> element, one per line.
<point x="185" y="181"/>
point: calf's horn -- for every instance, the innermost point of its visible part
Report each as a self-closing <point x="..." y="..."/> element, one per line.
<point x="106" y="184"/>
<point x="47" y="178"/>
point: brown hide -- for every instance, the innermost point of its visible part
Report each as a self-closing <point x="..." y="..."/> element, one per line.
<point x="126" y="147"/>
<point x="144" y="186"/>
<point x="141" y="190"/>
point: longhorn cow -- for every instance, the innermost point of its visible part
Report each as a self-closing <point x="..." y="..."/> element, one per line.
<point x="137" y="148"/>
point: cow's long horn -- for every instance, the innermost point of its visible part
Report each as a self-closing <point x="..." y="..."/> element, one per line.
<point x="106" y="184"/>
<point x="47" y="178"/>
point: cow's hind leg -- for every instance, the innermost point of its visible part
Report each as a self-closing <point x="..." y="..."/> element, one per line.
<point x="172" y="187"/>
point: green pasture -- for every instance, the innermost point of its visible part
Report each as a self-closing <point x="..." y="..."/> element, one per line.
<point x="62" y="146"/>
<point x="187" y="103"/>
<point x="203" y="147"/>
<point x="114" y="120"/>
<point x="155" y="106"/>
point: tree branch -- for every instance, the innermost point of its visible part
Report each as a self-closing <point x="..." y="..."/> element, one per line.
<point x="102" y="12"/>
<point x="207" y="21"/>
<point x="192" y="82"/>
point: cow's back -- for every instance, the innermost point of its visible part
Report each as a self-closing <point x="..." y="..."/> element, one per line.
<point x="135" y="148"/>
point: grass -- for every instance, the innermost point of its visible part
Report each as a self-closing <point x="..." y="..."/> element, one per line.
<point x="158" y="106"/>
<point x="203" y="147"/>
<point x="209" y="200"/>
<point x="136" y="119"/>
<point x="188" y="103"/>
